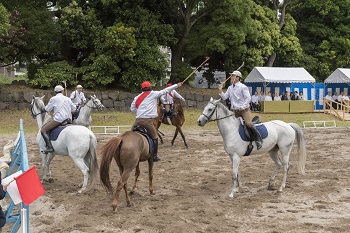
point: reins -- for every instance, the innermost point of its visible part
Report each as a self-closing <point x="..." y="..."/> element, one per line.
<point x="215" y="110"/>
<point x="94" y="106"/>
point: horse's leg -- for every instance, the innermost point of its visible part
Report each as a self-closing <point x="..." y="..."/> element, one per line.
<point x="137" y="174"/>
<point x="44" y="166"/>
<point x="235" y="164"/>
<point x="175" y="135"/>
<point x="285" y="160"/>
<point x="274" y="156"/>
<point x="121" y="184"/>
<point x="84" y="169"/>
<point x="159" y="135"/>
<point x="150" y="175"/>
<point x="48" y="164"/>
<point x="183" y="136"/>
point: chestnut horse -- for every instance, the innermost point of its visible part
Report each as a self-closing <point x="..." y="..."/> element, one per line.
<point x="178" y="120"/>
<point x="128" y="150"/>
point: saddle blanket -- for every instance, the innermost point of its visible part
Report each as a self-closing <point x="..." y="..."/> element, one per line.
<point x="261" y="128"/>
<point x="56" y="132"/>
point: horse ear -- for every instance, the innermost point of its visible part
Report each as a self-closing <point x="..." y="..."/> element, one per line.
<point x="211" y="99"/>
<point x="33" y="97"/>
<point x="88" y="96"/>
<point x="42" y="97"/>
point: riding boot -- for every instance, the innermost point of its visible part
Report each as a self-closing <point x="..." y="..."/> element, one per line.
<point x="49" y="148"/>
<point x="256" y="136"/>
<point x="155" y="150"/>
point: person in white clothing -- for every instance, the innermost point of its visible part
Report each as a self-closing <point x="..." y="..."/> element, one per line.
<point x="345" y="96"/>
<point x="62" y="107"/>
<point x="340" y="97"/>
<point x="255" y="101"/>
<point x="239" y="95"/>
<point x="268" y="97"/>
<point x="329" y="98"/>
<point x="277" y="97"/>
<point x="78" y="97"/>
<point x="145" y="107"/>
<point x="168" y="100"/>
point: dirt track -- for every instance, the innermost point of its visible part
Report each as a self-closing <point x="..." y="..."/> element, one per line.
<point x="192" y="187"/>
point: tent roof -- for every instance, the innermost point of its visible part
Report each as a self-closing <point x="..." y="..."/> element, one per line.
<point x="279" y="75"/>
<point x="340" y="75"/>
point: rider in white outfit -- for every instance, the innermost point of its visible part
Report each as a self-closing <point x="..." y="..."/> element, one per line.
<point x="168" y="100"/>
<point x="78" y="97"/>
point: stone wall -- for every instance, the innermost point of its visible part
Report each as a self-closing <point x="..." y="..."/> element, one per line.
<point x="119" y="101"/>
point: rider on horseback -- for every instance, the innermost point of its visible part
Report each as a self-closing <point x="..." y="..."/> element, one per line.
<point x="145" y="107"/>
<point x="240" y="98"/>
<point x="63" y="108"/>
<point x="78" y="99"/>
<point x="168" y="100"/>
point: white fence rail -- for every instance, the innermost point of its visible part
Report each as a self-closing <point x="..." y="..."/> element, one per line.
<point x="319" y="124"/>
<point x="118" y="129"/>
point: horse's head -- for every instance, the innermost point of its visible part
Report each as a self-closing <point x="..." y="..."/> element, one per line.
<point x="96" y="103"/>
<point x="37" y="106"/>
<point x="208" y="112"/>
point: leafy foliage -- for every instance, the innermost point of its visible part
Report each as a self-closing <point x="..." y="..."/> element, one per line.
<point x="4" y="20"/>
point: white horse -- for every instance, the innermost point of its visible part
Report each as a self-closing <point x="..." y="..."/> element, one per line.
<point x="84" y="117"/>
<point x="280" y="137"/>
<point x="76" y="141"/>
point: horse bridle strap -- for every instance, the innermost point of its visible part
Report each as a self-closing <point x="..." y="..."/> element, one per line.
<point x="95" y="106"/>
<point x="32" y="110"/>
<point x="215" y="110"/>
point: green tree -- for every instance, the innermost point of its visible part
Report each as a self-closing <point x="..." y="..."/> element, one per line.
<point x="4" y="21"/>
<point x="324" y="32"/>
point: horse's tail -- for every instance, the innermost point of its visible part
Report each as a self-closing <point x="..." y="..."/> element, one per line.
<point x="301" y="147"/>
<point x="108" y="151"/>
<point x="91" y="160"/>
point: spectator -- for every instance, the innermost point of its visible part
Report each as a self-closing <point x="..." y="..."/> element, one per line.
<point x="301" y="96"/>
<point x="262" y="96"/>
<point x="340" y="97"/>
<point x="268" y="97"/>
<point x="277" y="97"/>
<point x="255" y="102"/>
<point x="295" y="96"/>
<point x="329" y="98"/>
<point x="345" y="96"/>
<point x="284" y="96"/>
<point x="335" y="96"/>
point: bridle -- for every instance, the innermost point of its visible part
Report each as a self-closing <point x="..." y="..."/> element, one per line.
<point x="215" y="111"/>
<point x="32" y="109"/>
<point x="95" y="105"/>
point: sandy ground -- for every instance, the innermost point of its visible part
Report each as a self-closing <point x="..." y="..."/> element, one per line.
<point x="192" y="187"/>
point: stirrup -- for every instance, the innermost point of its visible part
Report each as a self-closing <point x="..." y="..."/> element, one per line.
<point x="258" y="145"/>
<point x="49" y="150"/>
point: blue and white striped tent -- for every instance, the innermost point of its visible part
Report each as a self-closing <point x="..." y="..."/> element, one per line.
<point x="279" y="79"/>
<point x="338" y="81"/>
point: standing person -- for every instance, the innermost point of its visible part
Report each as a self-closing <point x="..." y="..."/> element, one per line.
<point x="301" y="96"/>
<point x="329" y="98"/>
<point x="262" y="96"/>
<point x="335" y="96"/>
<point x="256" y="102"/>
<point x="62" y="107"/>
<point x="145" y="107"/>
<point x="168" y="100"/>
<point x="78" y="97"/>
<point x="239" y="95"/>
<point x="268" y="97"/>
<point x="277" y="97"/>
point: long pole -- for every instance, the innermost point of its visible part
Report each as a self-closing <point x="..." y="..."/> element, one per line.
<point x="206" y="59"/>
<point x="65" y="87"/>
<point x="230" y="75"/>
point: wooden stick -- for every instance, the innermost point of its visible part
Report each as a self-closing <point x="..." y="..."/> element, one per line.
<point x="65" y="86"/>
<point x="206" y="59"/>
<point x="230" y="75"/>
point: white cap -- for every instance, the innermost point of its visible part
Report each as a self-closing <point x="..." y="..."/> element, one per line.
<point x="58" y="88"/>
<point x="79" y="86"/>
<point x="236" y="73"/>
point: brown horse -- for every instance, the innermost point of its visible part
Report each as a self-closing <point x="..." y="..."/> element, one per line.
<point x="178" y="120"/>
<point x="128" y="150"/>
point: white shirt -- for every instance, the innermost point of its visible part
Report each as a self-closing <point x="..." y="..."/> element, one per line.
<point x="262" y="97"/>
<point x="340" y="97"/>
<point x="277" y="98"/>
<point x="168" y="98"/>
<point x="255" y="99"/>
<point x="328" y="97"/>
<point x="148" y="107"/>
<point x="268" y="98"/>
<point x="62" y="107"/>
<point x="239" y="96"/>
<point x="77" y="97"/>
<point x="345" y="97"/>
<point x="335" y="97"/>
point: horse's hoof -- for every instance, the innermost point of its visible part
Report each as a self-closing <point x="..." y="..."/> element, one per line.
<point x="271" y="187"/>
<point x="131" y="192"/>
<point x="231" y="195"/>
<point x="51" y="180"/>
<point x="81" y="190"/>
<point x="114" y="207"/>
<point x="128" y="204"/>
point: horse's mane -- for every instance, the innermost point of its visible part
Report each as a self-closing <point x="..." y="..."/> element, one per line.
<point x="47" y="118"/>
<point x="224" y="108"/>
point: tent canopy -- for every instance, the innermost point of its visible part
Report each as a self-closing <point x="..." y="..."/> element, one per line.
<point x="340" y="75"/>
<point x="279" y="75"/>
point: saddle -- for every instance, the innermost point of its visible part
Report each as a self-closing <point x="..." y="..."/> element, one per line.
<point x="245" y="134"/>
<point x="54" y="133"/>
<point x="143" y="131"/>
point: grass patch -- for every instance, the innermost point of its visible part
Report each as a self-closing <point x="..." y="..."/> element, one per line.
<point x="10" y="120"/>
